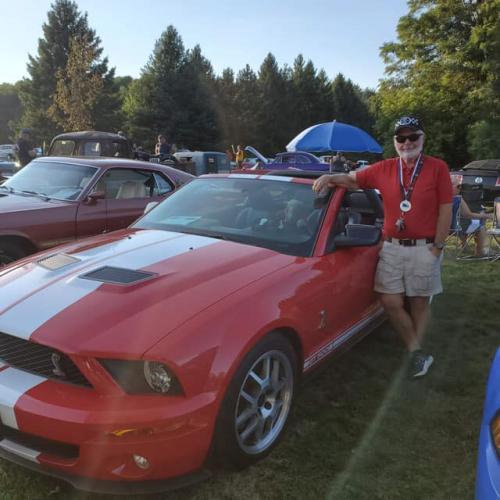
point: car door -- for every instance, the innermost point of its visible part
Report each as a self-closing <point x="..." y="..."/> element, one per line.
<point x="128" y="191"/>
<point x="349" y="274"/>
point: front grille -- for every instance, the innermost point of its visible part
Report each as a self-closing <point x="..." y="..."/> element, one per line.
<point x="40" y="444"/>
<point x="117" y="275"/>
<point x="40" y="360"/>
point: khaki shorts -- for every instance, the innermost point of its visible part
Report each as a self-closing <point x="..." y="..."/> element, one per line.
<point x="414" y="271"/>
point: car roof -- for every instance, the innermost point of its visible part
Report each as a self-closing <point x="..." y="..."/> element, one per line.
<point x="90" y="134"/>
<point x="102" y="162"/>
<point x="310" y="156"/>
<point x="493" y="164"/>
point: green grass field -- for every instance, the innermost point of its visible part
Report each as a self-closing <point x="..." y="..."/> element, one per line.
<point x="359" y="429"/>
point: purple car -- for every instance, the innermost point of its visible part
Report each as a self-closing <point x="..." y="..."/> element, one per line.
<point x="299" y="160"/>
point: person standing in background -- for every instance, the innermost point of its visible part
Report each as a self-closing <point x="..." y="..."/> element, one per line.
<point x="239" y="155"/>
<point x="24" y="147"/>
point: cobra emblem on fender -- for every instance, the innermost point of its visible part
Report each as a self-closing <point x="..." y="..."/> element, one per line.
<point x="56" y="361"/>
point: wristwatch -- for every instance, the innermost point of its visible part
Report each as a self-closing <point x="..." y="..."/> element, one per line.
<point x="439" y="246"/>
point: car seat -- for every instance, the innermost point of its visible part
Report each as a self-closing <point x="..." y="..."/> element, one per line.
<point x="131" y="189"/>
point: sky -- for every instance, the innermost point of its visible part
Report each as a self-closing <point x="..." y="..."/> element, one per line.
<point x="340" y="36"/>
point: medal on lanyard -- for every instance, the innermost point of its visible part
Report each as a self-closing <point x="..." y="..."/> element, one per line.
<point x="405" y="205"/>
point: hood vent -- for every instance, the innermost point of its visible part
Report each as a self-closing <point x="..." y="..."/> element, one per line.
<point x="118" y="275"/>
<point x="57" y="261"/>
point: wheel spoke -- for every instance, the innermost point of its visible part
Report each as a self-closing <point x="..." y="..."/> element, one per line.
<point x="276" y="412"/>
<point x="245" y="415"/>
<point x="267" y="368"/>
<point x="259" y="432"/>
<point x="278" y="386"/>
<point x="248" y="397"/>
<point x="257" y="379"/>
<point x="250" y="429"/>
<point x="275" y="375"/>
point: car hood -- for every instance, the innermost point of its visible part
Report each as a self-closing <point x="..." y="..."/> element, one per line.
<point x="51" y="299"/>
<point x="11" y="202"/>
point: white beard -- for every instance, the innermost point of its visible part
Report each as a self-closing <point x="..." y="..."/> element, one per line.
<point x="407" y="156"/>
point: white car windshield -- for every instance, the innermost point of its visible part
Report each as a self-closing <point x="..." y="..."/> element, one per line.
<point x="275" y="214"/>
<point x="52" y="179"/>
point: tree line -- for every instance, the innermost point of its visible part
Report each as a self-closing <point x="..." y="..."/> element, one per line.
<point x="444" y="67"/>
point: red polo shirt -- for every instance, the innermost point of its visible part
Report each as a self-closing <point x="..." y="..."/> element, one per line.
<point x="433" y="188"/>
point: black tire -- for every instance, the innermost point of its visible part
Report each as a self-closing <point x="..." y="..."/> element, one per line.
<point x="271" y="405"/>
<point x="9" y="252"/>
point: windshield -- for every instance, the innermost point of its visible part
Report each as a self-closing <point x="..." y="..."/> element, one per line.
<point x="55" y="180"/>
<point x="272" y="213"/>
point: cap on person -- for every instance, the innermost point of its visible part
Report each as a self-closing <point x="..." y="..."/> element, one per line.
<point x="410" y="122"/>
<point x="25" y="131"/>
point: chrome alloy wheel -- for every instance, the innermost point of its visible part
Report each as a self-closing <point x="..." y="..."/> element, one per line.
<point x="264" y="402"/>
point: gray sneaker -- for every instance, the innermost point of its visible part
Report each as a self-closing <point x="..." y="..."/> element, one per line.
<point x="419" y="364"/>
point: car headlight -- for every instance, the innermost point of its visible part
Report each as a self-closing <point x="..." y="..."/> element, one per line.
<point x="495" y="431"/>
<point x="143" y="377"/>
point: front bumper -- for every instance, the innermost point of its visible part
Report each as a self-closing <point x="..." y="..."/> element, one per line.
<point x="110" y="487"/>
<point x="90" y="440"/>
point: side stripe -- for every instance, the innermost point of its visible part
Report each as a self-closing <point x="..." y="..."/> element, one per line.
<point x="36" y="309"/>
<point x="20" y="450"/>
<point x="337" y="342"/>
<point x="13" y="384"/>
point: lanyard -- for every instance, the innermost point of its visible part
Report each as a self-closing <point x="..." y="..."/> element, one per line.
<point x="406" y="193"/>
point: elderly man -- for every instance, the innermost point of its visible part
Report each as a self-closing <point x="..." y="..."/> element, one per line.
<point x="417" y="196"/>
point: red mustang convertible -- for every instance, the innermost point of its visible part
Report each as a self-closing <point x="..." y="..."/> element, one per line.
<point x="134" y="360"/>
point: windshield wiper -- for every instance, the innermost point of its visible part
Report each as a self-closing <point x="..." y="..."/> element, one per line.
<point x="42" y="195"/>
<point x="8" y="188"/>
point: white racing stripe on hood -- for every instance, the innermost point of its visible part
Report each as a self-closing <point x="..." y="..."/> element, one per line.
<point x="32" y="312"/>
<point x="32" y="277"/>
<point x="13" y="384"/>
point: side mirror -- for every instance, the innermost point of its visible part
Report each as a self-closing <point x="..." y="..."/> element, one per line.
<point x="356" y="235"/>
<point x="149" y="207"/>
<point x="94" y="196"/>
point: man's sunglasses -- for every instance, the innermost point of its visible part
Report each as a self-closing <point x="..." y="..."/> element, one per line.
<point x="412" y="137"/>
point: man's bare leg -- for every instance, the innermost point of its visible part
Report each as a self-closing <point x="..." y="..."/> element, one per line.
<point x="400" y="319"/>
<point x="420" y="313"/>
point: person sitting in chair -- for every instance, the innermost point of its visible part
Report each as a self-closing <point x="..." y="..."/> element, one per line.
<point x="461" y="213"/>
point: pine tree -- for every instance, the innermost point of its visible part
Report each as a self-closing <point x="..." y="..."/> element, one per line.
<point x="78" y="87"/>
<point x="273" y="110"/>
<point x="349" y="103"/>
<point x="245" y="128"/>
<point x="175" y="96"/>
<point x="10" y="111"/>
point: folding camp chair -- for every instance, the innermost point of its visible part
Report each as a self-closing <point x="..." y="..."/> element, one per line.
<point x="463" y="233"/>
<point x="494" y="233"/>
